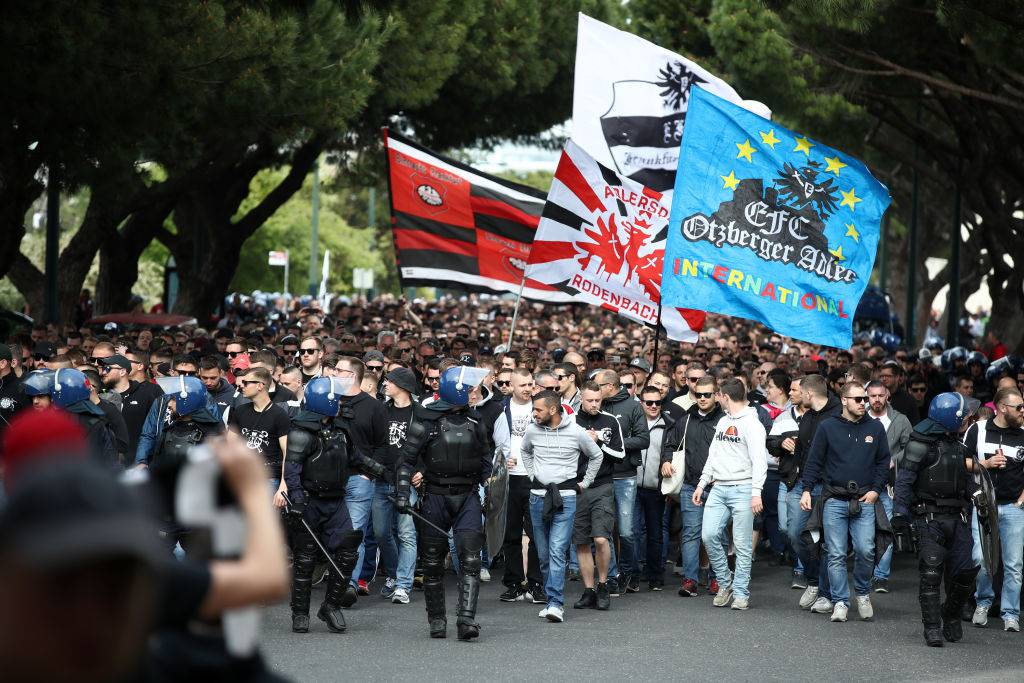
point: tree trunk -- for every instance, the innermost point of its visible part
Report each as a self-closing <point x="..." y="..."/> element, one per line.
<point x="119" y="257"/>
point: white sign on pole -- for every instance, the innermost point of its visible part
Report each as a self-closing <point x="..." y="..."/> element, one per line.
<point x="362" y="278"/>
<point x="277" y="258"/>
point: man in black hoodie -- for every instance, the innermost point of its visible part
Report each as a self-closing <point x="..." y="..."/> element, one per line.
<point x="635" y="439"/>
<point x="694" y="433"/>
<point x="821" y="405"/>
<point x="136" y="397"/>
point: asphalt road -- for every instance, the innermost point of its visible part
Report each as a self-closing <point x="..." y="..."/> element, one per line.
<point x="649" y="635"/>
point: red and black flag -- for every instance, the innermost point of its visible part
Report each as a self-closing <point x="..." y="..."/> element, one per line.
<point x="459" y="228"/>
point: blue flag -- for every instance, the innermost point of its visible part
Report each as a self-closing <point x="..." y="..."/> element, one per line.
<point x="769" y="225"/>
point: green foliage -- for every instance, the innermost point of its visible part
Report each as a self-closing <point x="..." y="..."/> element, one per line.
<point x="289" y="228"/>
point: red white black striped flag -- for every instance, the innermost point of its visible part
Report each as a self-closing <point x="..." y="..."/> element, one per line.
<point x="602" y="241"/>
<point x="459" y="228"/>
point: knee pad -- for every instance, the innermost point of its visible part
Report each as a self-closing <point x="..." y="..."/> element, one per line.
<point x="931" y="575"/>
<point x="468" y="546"/>
<point x="351" y="539"/>
<point x="432" y="553"/>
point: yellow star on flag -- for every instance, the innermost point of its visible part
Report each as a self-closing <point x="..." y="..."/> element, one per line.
<point x="834" y="165"/>
<point x="838" y="253"/>
<point x="745" y="150"/>
<point x="769" y="138"/>
<point x="851" y="231"/>
<point x="730" y="181"/>
<point x="803" y="145"/>
<point x="850" y="199"/>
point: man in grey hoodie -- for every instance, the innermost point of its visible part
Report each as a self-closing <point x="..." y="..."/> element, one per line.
<point x="551" y="451"/>
<point x="738" y="465"/>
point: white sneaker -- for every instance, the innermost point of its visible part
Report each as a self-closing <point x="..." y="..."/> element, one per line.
<point x="401" y="597"/>
<point x="864" y="608"/>
<point x="555" y="614"/>
<point x="980" y="618"/>
<point x="1011" y="625"/>
<point x="809" y="596"/>
<point x="739" y="602"/>
<point x="485" y="574"/>
<point x="822" y="606"/>
<point x="839" y="612"/>
<point x="543" y="613"/>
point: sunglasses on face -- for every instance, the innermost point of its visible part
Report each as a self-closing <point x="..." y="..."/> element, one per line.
<point x="187" y="373"/>
<point x="703" y="394"/>
<point x="918" y="390"/>
<point x="234" y="354"/>
<point x="432" y="380"/>
<point x="648" y="402"/>
<point x="562" y="377"/>
<point x="375" y="368"/>
<point x="93" y="360"/>
<point x="627" y="385"/>
<point x="858" y="399"/>
<point x="1019" y="407"/>
<point x="308" y="352"/>
<point x="553" y="387"/>
<point x="692" y="379"/>
<point x="249" y="382"/>
<point x="505" y="383"/>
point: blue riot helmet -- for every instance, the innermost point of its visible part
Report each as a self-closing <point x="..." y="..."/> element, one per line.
<point x="958" y="354"/>
<point x="189" y="393"/>
<point x="38" y="383"/>
<point x="457" y="382"/>
<point x="877" y="336"/>
<point x="323" y="394"/>
<point x="951" y="409"/>
<point x="69" y="387"/>
<point x="946" y="360"/>
<point x="998" y="369"/>
<point x="977" y="358"/>
<point x="890" y="342"/>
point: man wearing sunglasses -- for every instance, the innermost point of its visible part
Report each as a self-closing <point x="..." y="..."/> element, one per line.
<point x="693" y="373"/>
<point x="850" y="454"/>
<point x="311" y="352"/>
<point x="136" y="397"/>
<point x="262" y="424"/>
<point x="999" y="446"/>
<point x="648" y="477"/>
<point x="568" y="385"/>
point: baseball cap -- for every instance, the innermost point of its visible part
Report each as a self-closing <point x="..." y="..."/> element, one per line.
<point x="641" y="364"/>
<point x="117" y="360"/>
<point x="71" y="512"/>
<point x="44" y="349"/>
<point x="403" y="378"/>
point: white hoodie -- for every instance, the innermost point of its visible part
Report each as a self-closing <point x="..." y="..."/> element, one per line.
<point x="738" y="454"/>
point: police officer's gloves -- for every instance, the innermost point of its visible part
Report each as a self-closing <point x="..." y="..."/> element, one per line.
<point x="374" y="468"/>
<point x="296" y="507"/>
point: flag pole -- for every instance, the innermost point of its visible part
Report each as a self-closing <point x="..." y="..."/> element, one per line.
<point x="515" y="312"/>
<point x="657" y="337"/>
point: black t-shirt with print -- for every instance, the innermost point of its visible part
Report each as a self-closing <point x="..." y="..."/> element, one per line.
<point x="398" y="424"/>
<point x="262" y="431"/>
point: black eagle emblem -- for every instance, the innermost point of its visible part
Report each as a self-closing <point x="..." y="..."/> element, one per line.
<point x="800" y="187"/>
<point x="675" y="80"/>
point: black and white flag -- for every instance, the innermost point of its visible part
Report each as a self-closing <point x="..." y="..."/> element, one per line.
<point x="630" y="99"/>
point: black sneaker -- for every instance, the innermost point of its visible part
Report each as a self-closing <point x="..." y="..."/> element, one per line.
<point x="799" y="581"/>
<point x="656" y="585"/>
<point x="536" y="595"/>
<point x="880" y="585"/>
<point x="613" y="588"/>
<point x="587" y="601"/>
<point x="512" y="594"/>
<point x="633" y="584"/>
<point x="604" y="599"/>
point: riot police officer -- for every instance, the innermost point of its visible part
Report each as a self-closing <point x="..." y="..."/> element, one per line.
<point x="933" y="488"/>
<point x="71" y="392"/>
<point x="38" y="386"/>
<point x="192" y="423"/>
<point x="449" y="447"/>
<point x="317" y="465"/>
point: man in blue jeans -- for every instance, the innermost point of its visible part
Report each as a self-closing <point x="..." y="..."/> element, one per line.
<point x="693" y="432"/>
<point x="738" y="465"/>
<point x="552" y="448"/>
<point x="635" y="439"/>
<point x="850" y="454"/>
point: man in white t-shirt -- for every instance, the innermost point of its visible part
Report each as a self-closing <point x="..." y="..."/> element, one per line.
<point x="509" y="429"/>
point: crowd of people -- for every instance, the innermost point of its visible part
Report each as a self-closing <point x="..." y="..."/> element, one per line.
<point x="630" y="461"/>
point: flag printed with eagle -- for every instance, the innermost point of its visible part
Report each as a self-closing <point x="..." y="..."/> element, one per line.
<point x="770" y="225"/>
<point x="601" y="240"/>
<point x="460" y="228"/>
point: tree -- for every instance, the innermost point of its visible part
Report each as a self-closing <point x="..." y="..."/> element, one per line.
<point x="932" y="86"/>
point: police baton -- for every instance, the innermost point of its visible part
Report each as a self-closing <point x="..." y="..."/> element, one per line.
<point x="316" y="540"/>
<point x="423" y="519"/>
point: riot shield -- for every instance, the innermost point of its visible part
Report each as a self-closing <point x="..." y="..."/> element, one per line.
<point x="495" y="499"/>
<point x="988" y="521"/>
